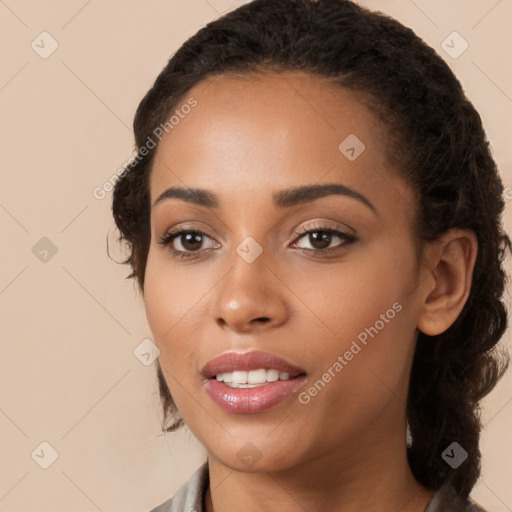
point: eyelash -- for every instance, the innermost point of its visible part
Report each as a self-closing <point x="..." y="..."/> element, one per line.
<point x="347" y="240"/>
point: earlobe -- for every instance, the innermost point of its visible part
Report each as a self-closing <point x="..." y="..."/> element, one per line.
<point x="450" y="261"/>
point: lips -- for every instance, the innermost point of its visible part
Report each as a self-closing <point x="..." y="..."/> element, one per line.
<point x="249" y="398"/>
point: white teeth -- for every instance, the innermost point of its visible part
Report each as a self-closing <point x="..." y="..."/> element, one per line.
<point x="251" y="379"/>
<point x="272" y="375"/>
<point x="239" y="377"/>
<point x="256" y="377"/>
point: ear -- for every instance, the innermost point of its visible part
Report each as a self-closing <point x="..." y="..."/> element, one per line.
<point x="449" y="264"/>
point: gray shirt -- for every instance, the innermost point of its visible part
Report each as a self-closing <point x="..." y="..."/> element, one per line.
<point x="190" y="497"/>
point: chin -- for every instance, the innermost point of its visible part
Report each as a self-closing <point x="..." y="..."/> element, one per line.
<point x="250" y="455"/>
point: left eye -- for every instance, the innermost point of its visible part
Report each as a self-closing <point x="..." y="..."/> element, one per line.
<point x="321" y="239"/>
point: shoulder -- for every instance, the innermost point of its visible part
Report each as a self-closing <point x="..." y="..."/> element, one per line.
<point x="190" y="496"/>
<point x="446" y="500"/>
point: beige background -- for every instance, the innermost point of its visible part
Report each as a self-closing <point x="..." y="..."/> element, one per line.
<point x="70" y="323"/>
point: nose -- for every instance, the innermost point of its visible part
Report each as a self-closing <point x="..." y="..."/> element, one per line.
<point x="250" y="297"/>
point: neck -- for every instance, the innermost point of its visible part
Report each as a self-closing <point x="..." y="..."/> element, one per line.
<point x="364" y="479"/>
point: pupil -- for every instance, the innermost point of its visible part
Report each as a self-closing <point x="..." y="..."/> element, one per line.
<point x="325" y="239"/>
<point x="192" y="239"/>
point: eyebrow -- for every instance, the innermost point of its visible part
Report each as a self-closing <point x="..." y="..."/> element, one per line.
<point x="282" y="199"/>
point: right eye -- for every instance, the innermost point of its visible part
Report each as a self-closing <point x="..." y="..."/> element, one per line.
<point x="189" y="239"/>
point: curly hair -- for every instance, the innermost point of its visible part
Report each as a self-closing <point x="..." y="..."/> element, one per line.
<point x="439" y="148"/>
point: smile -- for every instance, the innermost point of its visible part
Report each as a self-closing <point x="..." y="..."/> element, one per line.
<point x="251" y="382"/>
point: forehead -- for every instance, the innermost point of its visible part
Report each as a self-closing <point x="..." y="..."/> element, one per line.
<point x="271" y="131"/>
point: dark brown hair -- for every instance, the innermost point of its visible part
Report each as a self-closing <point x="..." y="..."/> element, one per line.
<point x="442" y="153"/>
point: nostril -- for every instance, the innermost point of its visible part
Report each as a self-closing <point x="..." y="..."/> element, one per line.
<point x="262" y="319"/>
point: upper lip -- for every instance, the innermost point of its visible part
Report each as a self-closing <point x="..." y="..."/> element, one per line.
<point x="246" y="361"/>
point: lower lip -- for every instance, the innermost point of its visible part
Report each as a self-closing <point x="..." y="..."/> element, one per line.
<point x="252" y="400"/>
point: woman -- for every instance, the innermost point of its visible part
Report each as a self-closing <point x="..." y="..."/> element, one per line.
<point x="313" y="218"/>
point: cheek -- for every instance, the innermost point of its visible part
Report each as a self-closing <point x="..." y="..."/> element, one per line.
<point x="347" y="298"/>
<point x="174" y="300"/>
<point x="170" y="295"/>
<point x="364" y="315"/>
<point x="157" y="296"/>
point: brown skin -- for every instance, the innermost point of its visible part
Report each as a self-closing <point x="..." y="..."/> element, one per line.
<point x="344" y="450"/>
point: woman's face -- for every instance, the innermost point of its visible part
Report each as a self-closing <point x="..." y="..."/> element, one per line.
<point x="344" y="317"/>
